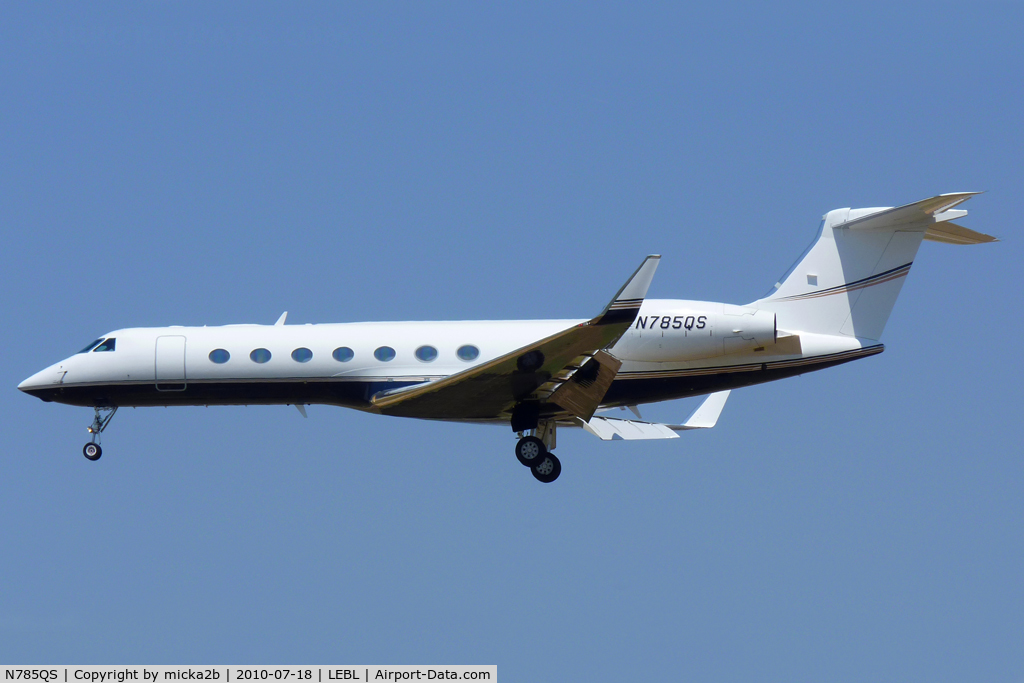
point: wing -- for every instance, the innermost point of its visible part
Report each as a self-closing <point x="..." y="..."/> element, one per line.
<point x="492" y="388"/>
<point x="704" y="417"/>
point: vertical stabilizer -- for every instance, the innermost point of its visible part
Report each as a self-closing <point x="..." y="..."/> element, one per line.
<point x="847" y="282"/>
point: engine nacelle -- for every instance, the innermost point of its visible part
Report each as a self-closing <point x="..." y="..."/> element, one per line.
<point x="673" y="330"/>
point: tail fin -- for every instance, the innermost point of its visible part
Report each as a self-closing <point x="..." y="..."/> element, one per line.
<point x="847" y="281"/>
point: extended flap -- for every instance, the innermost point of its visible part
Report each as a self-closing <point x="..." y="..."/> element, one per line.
<point x="581" y="394"/>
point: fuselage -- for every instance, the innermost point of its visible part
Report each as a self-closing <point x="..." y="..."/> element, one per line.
<point x="674" y="349"/>
<point x="829" y="308"/>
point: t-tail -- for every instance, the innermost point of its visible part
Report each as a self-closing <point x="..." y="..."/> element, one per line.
<point x="847" y="281"/>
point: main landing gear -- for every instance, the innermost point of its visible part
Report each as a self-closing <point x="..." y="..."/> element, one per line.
<point x="92" y="450"/>
<point x="533" y="451"/>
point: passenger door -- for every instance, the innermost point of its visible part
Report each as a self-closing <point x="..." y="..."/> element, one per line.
<point x="170" y="363"/>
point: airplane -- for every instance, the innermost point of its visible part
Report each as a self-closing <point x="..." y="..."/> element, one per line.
<point x="535" y="376"/>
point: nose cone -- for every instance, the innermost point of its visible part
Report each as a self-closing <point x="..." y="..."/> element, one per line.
<point x="32" y="382"/>
<point x="43" y="383"/>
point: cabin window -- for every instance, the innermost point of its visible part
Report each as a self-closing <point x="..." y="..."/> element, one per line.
<point x="107" y="345"/>
<point x="301" y="355"/>
<point x="468" y="352"/>
<point x="92" y="346"/>
<point x="426" y="353"/>
<point x="260" y="355"/>
<point x="384" y="354"/>
<point x="343" y="354"/>
<point x="220" y="356"/>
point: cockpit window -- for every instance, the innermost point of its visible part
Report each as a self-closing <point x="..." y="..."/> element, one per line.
<point x="92" y="346"/>
<point x="107" y="345"/>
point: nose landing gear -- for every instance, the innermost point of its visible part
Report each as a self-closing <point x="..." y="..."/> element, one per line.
<point x="534" y="451"/>
<point x="92" y="450"/>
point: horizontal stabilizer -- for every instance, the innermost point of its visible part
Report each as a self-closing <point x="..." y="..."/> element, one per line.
<point x="927" y="211"/>
<point x="951" y="233"/>
<point x="611" y="428"/>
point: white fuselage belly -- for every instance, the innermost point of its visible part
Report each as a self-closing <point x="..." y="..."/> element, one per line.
<point x="675" y="348"/>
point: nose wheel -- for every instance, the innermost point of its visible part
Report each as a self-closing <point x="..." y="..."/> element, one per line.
<point x="92" y="450"/>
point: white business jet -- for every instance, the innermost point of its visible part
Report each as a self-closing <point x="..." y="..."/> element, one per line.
<point x="535" y="375"/>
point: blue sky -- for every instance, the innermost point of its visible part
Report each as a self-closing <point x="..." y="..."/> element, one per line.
<point x="179" y="163"/>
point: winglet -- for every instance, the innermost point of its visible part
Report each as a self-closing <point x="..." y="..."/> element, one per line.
<point x="707" y="413"/>
<point x="626" y="304"/>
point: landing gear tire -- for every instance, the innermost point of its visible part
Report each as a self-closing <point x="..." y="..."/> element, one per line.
<point x="530" y="451"/>
<point x="92" y="450"/>
<point x="548" y="469"/>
